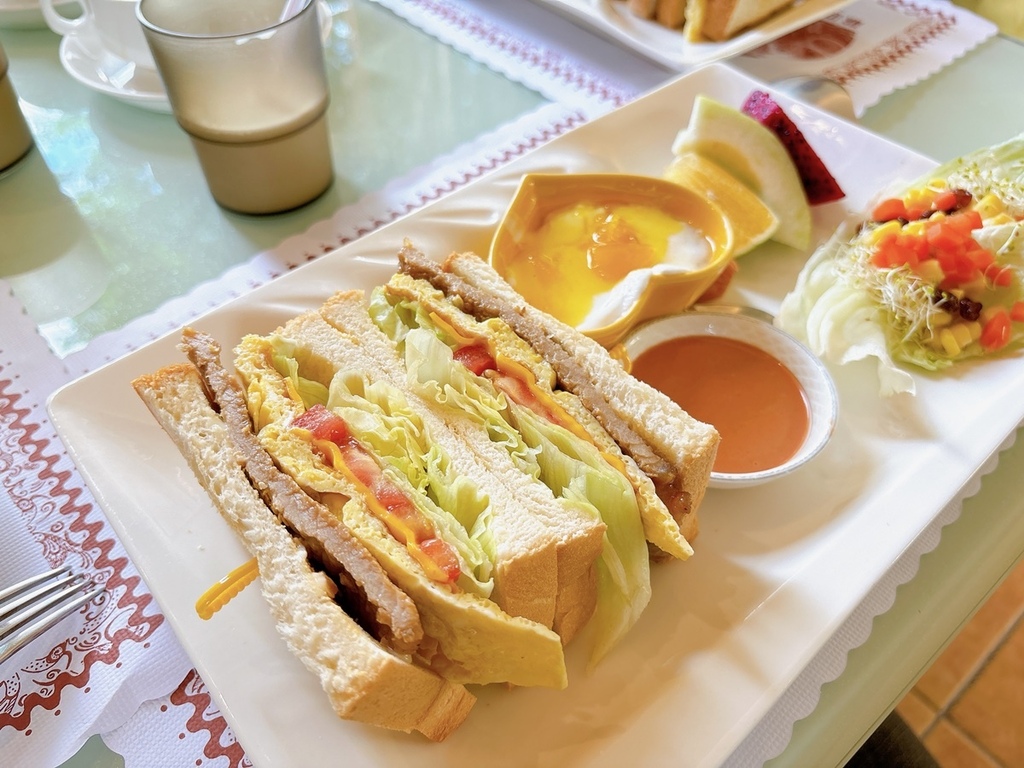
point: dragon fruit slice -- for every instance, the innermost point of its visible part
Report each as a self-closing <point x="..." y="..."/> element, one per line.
<point x="820" y="185"/>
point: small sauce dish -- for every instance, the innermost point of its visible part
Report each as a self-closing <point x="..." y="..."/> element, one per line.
<point x="605" y="251"/>
<point x="771" y="399"/>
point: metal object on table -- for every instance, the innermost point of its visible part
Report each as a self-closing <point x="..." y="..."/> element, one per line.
<point x="32" y="606"/>
<point x="821" y="92"/>
<point x="15" y="137"/>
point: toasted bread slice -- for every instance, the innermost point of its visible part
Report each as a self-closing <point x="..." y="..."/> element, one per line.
<point x="671" y="13"/>
<point x="364" y="682"/>
<point x="720" y="20"/>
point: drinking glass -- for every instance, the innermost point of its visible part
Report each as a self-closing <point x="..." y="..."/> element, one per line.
<point x="246" y="81"/>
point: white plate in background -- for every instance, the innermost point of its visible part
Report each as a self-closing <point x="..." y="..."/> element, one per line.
<point x="669" y="47"/>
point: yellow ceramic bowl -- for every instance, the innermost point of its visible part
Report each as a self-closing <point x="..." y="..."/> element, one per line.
<point x="540" y="195"/>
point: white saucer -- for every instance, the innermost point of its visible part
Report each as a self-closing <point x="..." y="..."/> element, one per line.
<point x="86" y="60"/>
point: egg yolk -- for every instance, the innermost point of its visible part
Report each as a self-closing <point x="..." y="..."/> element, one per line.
<point x="584" y="250"/>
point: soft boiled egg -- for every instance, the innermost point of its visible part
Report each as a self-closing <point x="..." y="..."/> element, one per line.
<point x="603" y="251"/>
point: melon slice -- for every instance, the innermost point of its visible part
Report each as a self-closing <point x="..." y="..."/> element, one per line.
<point x="751" y="153"/>
<point x="752" y="221"/>
<point x="819" y="184"/>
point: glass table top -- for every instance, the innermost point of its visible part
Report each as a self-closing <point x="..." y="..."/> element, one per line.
<point x="109" y="216"/>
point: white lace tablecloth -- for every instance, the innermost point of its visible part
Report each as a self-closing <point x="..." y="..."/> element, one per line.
<point x="116" y="668"/>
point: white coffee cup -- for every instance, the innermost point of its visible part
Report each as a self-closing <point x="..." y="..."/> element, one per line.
<point x="113" y="22"/>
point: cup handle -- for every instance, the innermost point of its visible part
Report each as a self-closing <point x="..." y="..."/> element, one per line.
<point x="61" y="24"/>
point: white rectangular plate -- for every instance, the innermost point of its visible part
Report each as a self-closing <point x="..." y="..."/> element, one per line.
<point x="669" y="47"/>
<point x="777" y="567"/>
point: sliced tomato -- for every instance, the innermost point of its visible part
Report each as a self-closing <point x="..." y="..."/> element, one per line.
<point x="476" y="358"/>
<point x="519" y="392"/>
<point x="389" y="503"/>
<point x="443" y="556"/>
<point x="403" y="519"/>
<point x="324" y="425"/>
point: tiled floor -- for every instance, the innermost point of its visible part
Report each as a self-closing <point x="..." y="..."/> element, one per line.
<point x="968" y="708"/>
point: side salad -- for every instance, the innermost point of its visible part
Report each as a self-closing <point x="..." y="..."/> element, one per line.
<point x="934" y="276"/>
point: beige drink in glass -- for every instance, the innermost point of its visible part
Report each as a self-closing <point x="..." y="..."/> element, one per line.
<point x="246" y="81"/>
<point x="15" y="138"/>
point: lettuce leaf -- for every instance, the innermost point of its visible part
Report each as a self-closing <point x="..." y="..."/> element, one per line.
<point x="571" y="467"/>
<point x="312" y="392"/>
<point x="575" y="470"/>
<point x="381" y="419"/>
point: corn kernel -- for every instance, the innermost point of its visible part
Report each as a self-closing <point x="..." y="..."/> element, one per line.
<point x="973" y="288"/>
<point x="940" y="319"/>
<point x="937" y="183"/>
<point x="948" y="341"/>
<point x="918" y="195"/>
<point x="974" y="327"/>
<point x="990" y="311"/>
<point x="930" y="271"/>
<point x="890" y="227"/>
<point x="961" y="334"/>
<point x="989" y="206"/>
<point x="916" y="228"/>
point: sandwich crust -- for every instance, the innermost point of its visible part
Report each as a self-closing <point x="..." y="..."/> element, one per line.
<point x="364" y="681"/>
<point x="720" y="20"/>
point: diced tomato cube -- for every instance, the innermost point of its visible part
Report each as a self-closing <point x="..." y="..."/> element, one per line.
<point x="941" y="237"/>
<point x="944" y="201"/>
<point x="889" y="209"/>
<point x="917" y="211"/>
<point x="982" y="258"/>
<point x="964" y="221"/>
<point x="998" y="275"/>
<point x="995" y="334"/>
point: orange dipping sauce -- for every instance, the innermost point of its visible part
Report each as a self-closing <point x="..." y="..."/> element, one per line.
<point x="753" y="400"/>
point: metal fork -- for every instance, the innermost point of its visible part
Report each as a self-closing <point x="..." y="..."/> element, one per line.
<point x="32" y="606"/>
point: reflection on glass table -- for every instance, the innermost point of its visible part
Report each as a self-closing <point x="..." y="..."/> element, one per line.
<point x="127" y="178"/>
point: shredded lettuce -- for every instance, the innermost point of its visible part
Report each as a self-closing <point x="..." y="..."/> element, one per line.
<point x="571" y="467"/>
<point x="380" y="418"/>
<point x="847" y="309"/>
<point x="312" y="392"/>
<point x="575" y="471"/>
